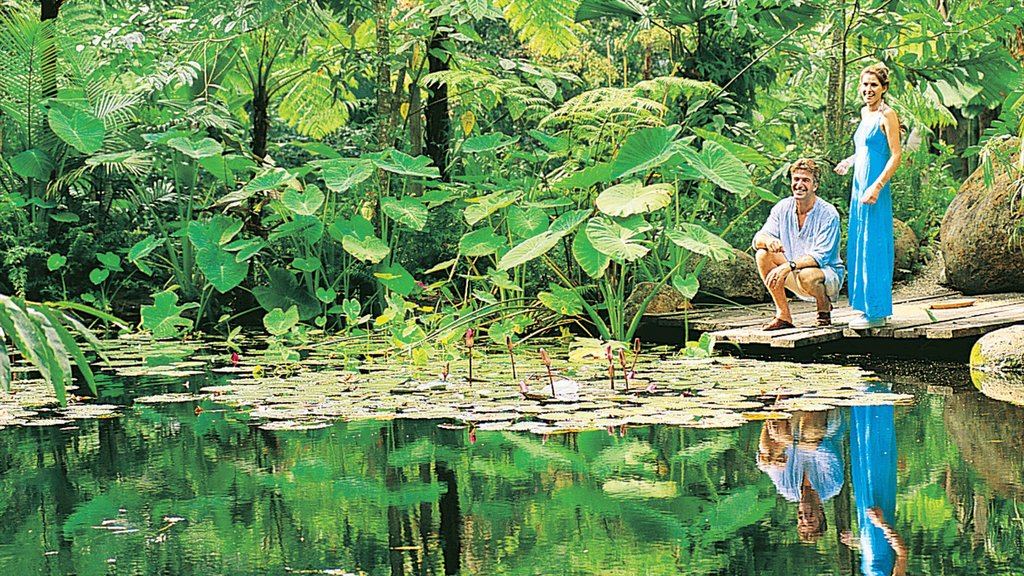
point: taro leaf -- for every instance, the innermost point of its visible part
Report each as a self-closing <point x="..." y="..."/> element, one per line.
<point x="487" y="142"/>
<point x="408" y="211"/>
<point x="368" y="248"/>
<point x="441" y="266"/>
<point x="356" y="226"/>
<point x="245" y="249"/>
<point x="719" y="165"/>
<point x="396" y="278"/>
<point x="164" y="318"/>
<point x="311" y="264"/>
<point x="552" y="143"/>
<point x="222" y="167"/>
<point x="267" y="180"/>
<point x="351" y="308"/>
<point x="480" y="208"/>
<point x="620" y="243"/>
<point x="78" y="128"/>
<point x="34" y="163"/>
<point x="696" y="239"/>
<point x="213" y="233"/>
<point x="342" y="174"/>
<point x="196" y="149"/>
<point x="221" y="269"/>
<point x="587" y="177"/>
<point x="528" y="250"/>
<point x="110" y="260"/>
<point x="98" y="275"/>
<point x="5" y="367"/>
<point x="435" y="198"/>
<point x="140" y="250"/>
<point x="501" y="279"/>
<point x="526" y="222"/>
<point x="326" y="295"/>
<point x="66" y="217"/>
<point x="687" y="286"/>
<point x="645" y="150"/>
<point x="309" y="227"/>
<point x="562" y="300"/>
<point x="317" y="148"/>
<point x="283" y="292"/>
<point x="278" y="322"/>
<point x="401" y="163"/>
<point x="56" y="262"/>
<point x="745" y="153"/>
<point x="567" y="222"/>
<point x="633" y="197"/>
<point x="304" y="204"/>
<point x="481" y="242"/>
<point x="590" y="260"/>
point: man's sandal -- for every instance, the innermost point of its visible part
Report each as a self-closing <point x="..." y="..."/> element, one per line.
<point x="777" y="324"/>
<point x="825" y="316"/>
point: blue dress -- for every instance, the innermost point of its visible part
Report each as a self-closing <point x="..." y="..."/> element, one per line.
<point x="873" y="463"/>
<point x="869" y="245"/>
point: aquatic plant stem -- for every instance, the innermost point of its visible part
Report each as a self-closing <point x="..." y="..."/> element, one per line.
<point x="511" y="355"/>
<point x="622" y="363"/>
<point x="611" y="367"/>
<point x="547" y="364"/>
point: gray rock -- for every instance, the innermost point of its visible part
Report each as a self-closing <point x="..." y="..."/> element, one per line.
<point x="735" y="280"/>
<point x="999" y="350"/>
<point x="975" y="233"/>
<point x="668" y="299"/>
<point x="906" y="247"/>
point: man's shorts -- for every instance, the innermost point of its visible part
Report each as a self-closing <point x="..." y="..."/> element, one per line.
<point x="832" y="285"/>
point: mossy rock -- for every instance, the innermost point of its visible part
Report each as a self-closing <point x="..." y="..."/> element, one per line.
<point x="999" y="350"/>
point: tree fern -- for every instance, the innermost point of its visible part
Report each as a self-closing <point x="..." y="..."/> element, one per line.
<point x="597" y="113"/>
<point x="545" y="26"/>
<point x="470" y="87"/>
<point x="313" y="107"/>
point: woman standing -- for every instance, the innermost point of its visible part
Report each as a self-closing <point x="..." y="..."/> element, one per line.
<point x="869" y="247"/>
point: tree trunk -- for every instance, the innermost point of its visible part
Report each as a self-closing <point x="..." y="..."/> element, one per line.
<point x="438" y="124"/>
<point x="415" y="129"/>
<point x="834" y="133"/>
<point x="381" y="16"/>
<point x="48" y="10"/>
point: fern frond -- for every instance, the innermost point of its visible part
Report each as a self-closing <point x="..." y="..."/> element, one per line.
<point x="313" y="107"/>
<point x="593" y="109"/>
<point x="664" y="88"/>
<point x="132" y="162"/>
<point x="547" y="27"/>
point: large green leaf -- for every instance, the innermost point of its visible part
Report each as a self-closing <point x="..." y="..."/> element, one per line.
<point x="696" y="239"/>
<point x="481" y="242"/>
<point x="308" y="227"/>
<point x="527" y="222"/>
<point x="633" y="197"/>
<point x="401" y="163"/>
<point x="484" y="206"/>
<point x="619" y="243"/>
<point x="568" y="221"/>
<point x="283" y="291"/>
<point x="719" y="165"/>
<point x="408" y="211"/>
<point x="562" y="300"/>
<point x="528" y="250"/>
<point x="164" y="317"/>
<point x="268" y="180"/>
<point x="587" y="177"/>
<point x="355" y="226"/>
<point x="592" y="262"/>
<point x="342" y="174"/>
<point x="278" y="322"/>
<point x="202" y="148"/>
<point x="221" y="269"/>
<point x="645" y="150"/>
<point x="487" y="142"/>
<point x="213" y="233"/>
<point x="34" y="163"/>
<point x="78" y="128"/>
<point x="367" y="248"/>
<point x="594" y="9"/>
<point x="306" y="203"/>
<point x="744" y="153"/>
<point x="396" y="278"/>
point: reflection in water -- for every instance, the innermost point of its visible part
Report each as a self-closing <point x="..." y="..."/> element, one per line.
<point x="803" y="458"/>
<point x="165" y="491"/>
<point x="873" y="463"/>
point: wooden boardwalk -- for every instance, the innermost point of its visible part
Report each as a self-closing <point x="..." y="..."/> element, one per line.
<point x="914" y="317"/>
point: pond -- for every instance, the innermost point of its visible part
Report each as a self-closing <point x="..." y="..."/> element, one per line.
<point x="166" y="488"/>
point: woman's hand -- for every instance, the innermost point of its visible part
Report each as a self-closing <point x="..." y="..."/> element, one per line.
<point x="870" y="195"/>
<point x="843" y="167"/>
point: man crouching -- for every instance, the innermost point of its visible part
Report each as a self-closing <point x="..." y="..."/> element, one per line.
<point x="798" y="248"/>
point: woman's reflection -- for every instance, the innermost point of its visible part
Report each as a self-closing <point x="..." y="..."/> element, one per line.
<point x="873" y="460"/>
<point x="802" y="457"/>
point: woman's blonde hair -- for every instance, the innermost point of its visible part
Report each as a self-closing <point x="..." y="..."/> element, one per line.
<point x="880" y="71"/>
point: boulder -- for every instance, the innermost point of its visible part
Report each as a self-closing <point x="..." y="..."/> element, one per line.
<point x="668" y="299"/>
<point x="736" y="280"/>
<point x="906" y="248"/>
<point x="999" y="350"/>
<point x="975" y="232"/>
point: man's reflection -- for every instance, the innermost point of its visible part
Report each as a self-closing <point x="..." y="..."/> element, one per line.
<point x="802" y="457"/>
<point x="873" y="459"/>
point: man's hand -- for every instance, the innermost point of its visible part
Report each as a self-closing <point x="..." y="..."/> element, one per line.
<point x="773" y="245"/>
<point x="777" y="276"/>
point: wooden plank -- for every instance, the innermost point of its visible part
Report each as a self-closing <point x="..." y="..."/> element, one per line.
<point x="808" y="337"/>
<point x="920" y="323"/>
<point x="976" y="326"/>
